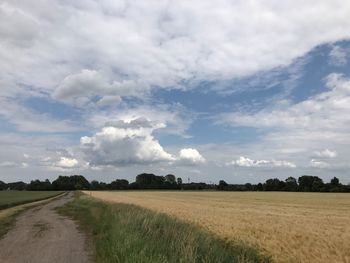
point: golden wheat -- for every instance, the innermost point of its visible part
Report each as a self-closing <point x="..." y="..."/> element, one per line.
<point x="290" y="227"/>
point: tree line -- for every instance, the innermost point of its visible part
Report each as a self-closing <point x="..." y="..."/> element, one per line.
<point x="305" y="183"/>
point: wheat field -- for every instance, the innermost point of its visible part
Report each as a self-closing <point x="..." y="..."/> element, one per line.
<point x="290" y="227"/>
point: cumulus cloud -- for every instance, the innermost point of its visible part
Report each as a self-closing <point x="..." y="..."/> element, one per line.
<point x="168" y="119"/>
<point x="247" y="162"/>
<point x="129" y="142"/>
<point x="65" y="162"/>
<point x="191" y="156"/>
<point x="125" y="143"/>
<point x="326" y="153"/>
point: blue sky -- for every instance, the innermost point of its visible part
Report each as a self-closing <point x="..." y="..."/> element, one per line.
<point x="237" y="91"/>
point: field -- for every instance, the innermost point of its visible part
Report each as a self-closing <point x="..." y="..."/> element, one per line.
<point x="129" y="233"/>
<point x="13" y="198"/>
<point x="290" y="227"/>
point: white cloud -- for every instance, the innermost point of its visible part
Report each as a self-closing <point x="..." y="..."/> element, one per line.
<point x="319" y="164"/>
<point x="191" y="155"/>
<point x="79" y="88"/>
<point x="66" y="162"/>
<point x="8" y="164"/>
<point x="327" y="111"/>
<point x="133" y="46"/>
<point x="168" y="119"/>
<point x="247" y="162"/>
<point x="131" y="141"/>
<point x="338" y="56"/>
<point x="326" y="153"/>
<point x="99" y="52"/>
<point x="300" y="130"/>
<point x="12" y="164"/>
<point x="125" y="143"/>
<point x="109" y="101"/>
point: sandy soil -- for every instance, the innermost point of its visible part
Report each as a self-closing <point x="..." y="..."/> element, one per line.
<point x="42" y="235"/>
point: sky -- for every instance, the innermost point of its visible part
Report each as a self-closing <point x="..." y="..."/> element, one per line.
<point x="207" y="90"/>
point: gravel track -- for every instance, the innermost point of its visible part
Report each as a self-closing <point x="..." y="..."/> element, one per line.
<point x="41" y="235"/>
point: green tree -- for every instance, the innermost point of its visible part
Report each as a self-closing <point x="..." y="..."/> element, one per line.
<point x="335" y="181"/>
<point x="259" y="187"/>
<point x="74" y="182"/>
<point x="170" y="178"/>
<point x="222" y="185"/>
<point x="2" y="185"/>
<point x="308" y="183"/>
<point x="119" y="184"/>
<point x="274" y="185"/>
<point x="37" y="185"/>
<point x="150" y="181"/>
<point x="291" y="184"/>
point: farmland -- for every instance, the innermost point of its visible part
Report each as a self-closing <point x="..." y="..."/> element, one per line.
<point x="128" y="233"/>
<point x="290" y="227"/>
<point x="13" y="198"/>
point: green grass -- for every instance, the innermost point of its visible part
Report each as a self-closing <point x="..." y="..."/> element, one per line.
<point x="129" y="233"/>
<point x="6" y="223"/>
<point x="13" y="198"/>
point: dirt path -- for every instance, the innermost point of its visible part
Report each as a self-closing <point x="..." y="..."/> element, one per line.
<point x="42" y="235"/>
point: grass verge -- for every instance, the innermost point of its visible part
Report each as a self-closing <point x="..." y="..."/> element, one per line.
<point x="7" y="222"/>
<point x="129" y="233"/>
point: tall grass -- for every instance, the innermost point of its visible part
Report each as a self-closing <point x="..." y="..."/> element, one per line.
<point x="6" y="223"/>
<point x="128" y="233"/>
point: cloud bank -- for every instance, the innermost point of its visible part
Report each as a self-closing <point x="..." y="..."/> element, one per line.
<point x="76" y="50"/>
<point x="247" y="162"/>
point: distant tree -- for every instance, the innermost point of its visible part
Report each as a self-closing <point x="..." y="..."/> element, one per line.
<point x="248" y="187"/>
<point x="145" y="180"/>
<point x="259" y="187"/>
<point x="95" y="185"/>
<point x="3" y="186"/>
<point x="179" y="181"/>
<point x="222" y="185"/>
<point x="19" y="186"/>
<point x="273" y="185"/>
<point x="103" y="186"/>
<point x="134" y="186"/>
<point x="335" y="181"/>
<point x="291" y="184"/>
<point x="37" y="185"/>
<point x="74" y="182"/>
<point x="119" y="184"/>
<point x="308" y="183"/>
<point x="170" y="178"/>
<point x="195" y="186"/>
